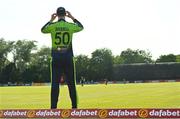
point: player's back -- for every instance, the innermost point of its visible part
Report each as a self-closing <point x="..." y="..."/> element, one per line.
<point x="62" y="32"/>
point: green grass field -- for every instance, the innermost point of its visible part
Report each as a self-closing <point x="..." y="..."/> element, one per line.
<point x="143" y="95"/>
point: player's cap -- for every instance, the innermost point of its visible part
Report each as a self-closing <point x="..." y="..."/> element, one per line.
<point x="61" y="11"/>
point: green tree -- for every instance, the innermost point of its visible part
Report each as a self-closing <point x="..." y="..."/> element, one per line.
<point x="135" y="56"/>
<point x="177" y="58"/>
<point x="39" y="69"/>
<point x="167" y="58"/>
<point x="118" y="60"/>
<point x="22" y="52"/>
<point x="9" y="74"/>
<point x="5" y="49"/>
<point x="101" y="64"/>
<point x="82" y="67"/>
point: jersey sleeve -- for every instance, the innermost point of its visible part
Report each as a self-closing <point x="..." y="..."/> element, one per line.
<point x="77" y="26"/>
<point x="46" y="28"/>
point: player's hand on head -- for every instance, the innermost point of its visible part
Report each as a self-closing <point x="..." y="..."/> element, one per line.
<point x="53" y="16"/>
<point x="68" y="14"/>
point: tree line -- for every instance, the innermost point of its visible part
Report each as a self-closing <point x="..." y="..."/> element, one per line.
<point x="23" y="62"/>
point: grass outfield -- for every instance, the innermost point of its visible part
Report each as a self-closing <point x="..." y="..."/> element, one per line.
<point x="144" y="95"/>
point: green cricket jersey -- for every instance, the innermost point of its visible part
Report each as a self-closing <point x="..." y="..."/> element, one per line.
<point x="62" y="32"/>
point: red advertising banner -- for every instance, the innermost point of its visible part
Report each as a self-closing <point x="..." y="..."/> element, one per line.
<point x="90" y="113"/>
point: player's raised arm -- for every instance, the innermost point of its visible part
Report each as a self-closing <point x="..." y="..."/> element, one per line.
<point x="68" y="14"/>
<point x="46" y="28"/>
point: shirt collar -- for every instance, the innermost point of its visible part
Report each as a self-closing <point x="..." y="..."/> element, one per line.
<point x="62" y="20"/>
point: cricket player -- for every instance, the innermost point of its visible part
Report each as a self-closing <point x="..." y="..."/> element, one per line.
<point x="62" y="62"/>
